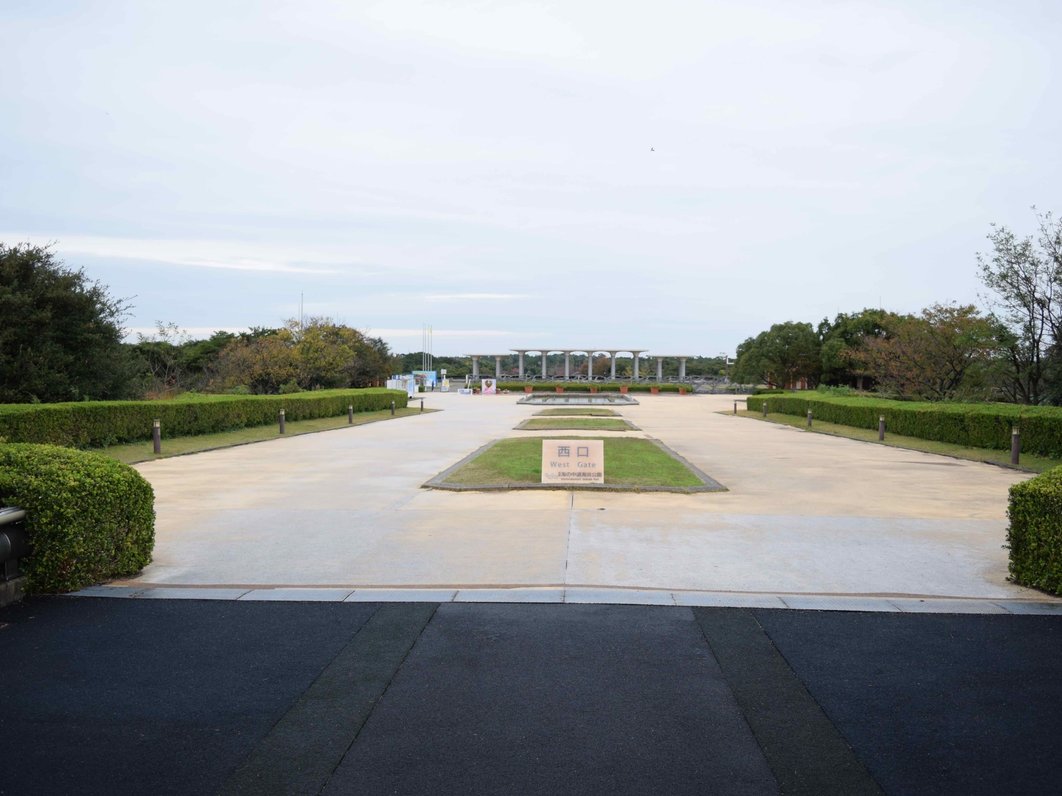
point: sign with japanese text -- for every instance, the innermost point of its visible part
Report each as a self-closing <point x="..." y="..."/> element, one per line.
<point x="573" y="461"/>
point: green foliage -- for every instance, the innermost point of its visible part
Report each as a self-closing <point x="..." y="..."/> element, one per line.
<point x="88" y="518"/>
<point x="845" y="336"/>
<point x="100" y="423"/>
<point x="985" y="425"/>
<point x="60" y="334"/>
<point x="1035" y="532"/>
<point x="779" y="357"/>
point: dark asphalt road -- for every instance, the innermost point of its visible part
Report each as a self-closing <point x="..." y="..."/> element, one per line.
<point x="154" y="696"/>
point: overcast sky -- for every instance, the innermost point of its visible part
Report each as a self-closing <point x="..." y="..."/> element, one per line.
<point x="487" y="168"/>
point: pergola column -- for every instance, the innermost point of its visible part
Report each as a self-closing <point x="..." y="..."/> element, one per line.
<point x="612" y="357"/>
<point x="659" y="368"/>
<point x="589" y="365"/>
<point x="520" y="354"/>
<point x="635" y="355"/>
<point x="497" y="367"/>
<point x="544" y="355"/>
<point x="567" y="365"/>
<point x="475" y="366"/>
<point x="682" y="368"/>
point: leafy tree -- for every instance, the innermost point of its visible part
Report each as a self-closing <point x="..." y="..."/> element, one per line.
<point x="1025" y="276"/>
<point x="845" y="335"/>
<point x="61" y="336"/>
<point x="784" y="355"/>
<point x="939" y="355"/>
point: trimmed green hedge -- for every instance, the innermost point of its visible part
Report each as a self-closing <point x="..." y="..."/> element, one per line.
<point x="972" y="425"/>
<point x="88" y="518"/>
<point x="1035" y="532"/>
<point x="584" y="386"/>
<point x="101" y="423"/>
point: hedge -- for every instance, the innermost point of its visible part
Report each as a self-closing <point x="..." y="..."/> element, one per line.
<point x="100" y="423"/>
<point x="584" y="386"/>
<point x="88" y="518"/>
<point x="1035" y="532"/>
<point x="973" y="425"/>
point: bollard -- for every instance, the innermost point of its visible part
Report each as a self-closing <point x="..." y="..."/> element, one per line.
<point x="422" y="404"/>
<point x="392" y="408"/>
<point x="1015" y="445"/>
<point x="881" y="428"/>
<point x="350" y="414"/>
<point x="281" y="417"/>
<point x="735" y="407"/>
<point x="156" y="437"/>
<point x="809" y="417"/>
<point x="765" y="408"/>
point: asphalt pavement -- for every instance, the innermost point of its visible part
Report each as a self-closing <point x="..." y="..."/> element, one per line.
<point x="235" y="697"/>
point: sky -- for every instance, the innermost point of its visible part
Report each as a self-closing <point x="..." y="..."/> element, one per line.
<point x="668" y="176"/>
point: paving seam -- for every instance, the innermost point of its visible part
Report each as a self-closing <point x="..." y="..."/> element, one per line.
<point x="804" y="750"/>
<point x="306" y="745"/>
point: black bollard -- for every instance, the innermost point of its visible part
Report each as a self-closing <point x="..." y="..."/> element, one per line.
<point x="735" y="407"/>
<point x="765" y="408"/>
<point x="881" y="428"/>
<point x="809" y="417"/>
<point x="281" y="417"/>
<point x="392" y="408"/>
<point x="422" y="404"/>
<point x="1015" y="445"/>
<point x="350" y="414"/>
<point x="156" y="437"/>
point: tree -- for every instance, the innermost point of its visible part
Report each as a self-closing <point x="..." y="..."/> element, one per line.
<point x="938" y="355"/>
<point x="784" y="355"/>
<point x="61" y="336"/>
<point x="845" y="335"/>
<point x="1025" y="276"/>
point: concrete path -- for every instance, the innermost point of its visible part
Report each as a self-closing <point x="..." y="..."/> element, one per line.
<point x="806" y="516"/>
<point x="181" y="696"/>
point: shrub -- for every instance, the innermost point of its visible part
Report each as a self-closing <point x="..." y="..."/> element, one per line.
<point x="1035" y="532"/>
<point x="973" y="425"/>
<point x="88" y="518"/>
<point x="100" y="423"/>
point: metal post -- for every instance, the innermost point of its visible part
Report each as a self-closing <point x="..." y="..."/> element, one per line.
<point x="735" y="407"/>
<point x="281" y="417"/>
<point x="422" y="404"/>
<point x="350" y="413"/>
<point x="1015" y="445"/>
<point x="765" y="407"/>
<point x="881" y="428"/>
<point x="392" y="408"/>
<point x="809" y="417"/>
<point x="156" y="436"/>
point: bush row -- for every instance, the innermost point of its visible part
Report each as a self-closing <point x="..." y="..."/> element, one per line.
<point x="88" y="518"/>
<point x="584" y="386"/>
<point x="972" y="425"/>
<point x="1035" y="532"/>
<point x="100" y="423"/>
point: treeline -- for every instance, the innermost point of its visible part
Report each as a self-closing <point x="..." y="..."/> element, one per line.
<point x="61" y="339"/>
<point x="1010" y="351"/>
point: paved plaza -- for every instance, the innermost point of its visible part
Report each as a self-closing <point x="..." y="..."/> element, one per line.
<point x="809" y="520"/>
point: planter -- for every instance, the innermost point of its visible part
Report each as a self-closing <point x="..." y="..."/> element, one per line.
<point x="593" y="390"/>
<point x="623" y="389"/>
<point x="654" y="390"/>
<point x="529" y="390"/>
<point x="682" y="390"/>
<point x="560" y="389"/>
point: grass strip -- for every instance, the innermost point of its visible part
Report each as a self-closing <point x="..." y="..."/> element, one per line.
<point x="628" y="462"/>
<point x="1029" y="462"/>
<point x="134" y="452"/>
<point x="574" y="424"/>
<point x="589" y="411"/>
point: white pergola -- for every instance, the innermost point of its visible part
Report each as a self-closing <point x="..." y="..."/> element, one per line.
<point x="522" y="353"/>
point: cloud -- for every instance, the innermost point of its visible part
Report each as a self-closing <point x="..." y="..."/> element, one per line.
<point x="477" y="296"/>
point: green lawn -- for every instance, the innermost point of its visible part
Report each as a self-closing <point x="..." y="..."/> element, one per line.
<point x="574" y="424"/>
<point x="590" y="411"/>
<point x="134" y="452"/>
<point x="628" y="462"/>
<point x="1036" y="464"/>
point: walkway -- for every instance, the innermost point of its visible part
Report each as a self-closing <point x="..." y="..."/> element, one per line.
<point x="807" y="517"/>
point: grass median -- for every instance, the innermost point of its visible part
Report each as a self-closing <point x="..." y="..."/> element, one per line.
<point x="575" y="424"/>
<point x="629" y="464"/>
<point x="134" y="452"/>
<point x="587" y="411"/>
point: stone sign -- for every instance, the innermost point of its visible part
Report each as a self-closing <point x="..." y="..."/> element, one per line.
<point x="573" y="461"/>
